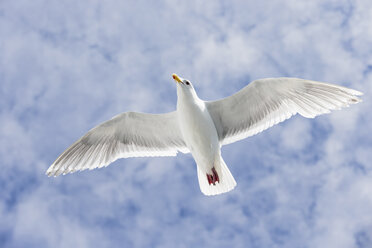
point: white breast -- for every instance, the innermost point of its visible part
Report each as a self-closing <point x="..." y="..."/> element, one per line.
<point x="199" y="132"/>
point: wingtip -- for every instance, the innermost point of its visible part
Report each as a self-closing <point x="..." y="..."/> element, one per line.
<point x="359" y="93"/>
<point x="49" y="173"/>
<point x="353" y="92"/>
<point x="355" y="100"/>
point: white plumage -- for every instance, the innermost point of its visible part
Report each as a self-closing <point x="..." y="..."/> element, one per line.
<point x="202" y="127"/>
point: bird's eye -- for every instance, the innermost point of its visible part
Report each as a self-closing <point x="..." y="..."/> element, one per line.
<point x="187" y="83"/>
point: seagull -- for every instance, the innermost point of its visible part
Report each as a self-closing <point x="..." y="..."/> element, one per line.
<point x="202" y="127"/>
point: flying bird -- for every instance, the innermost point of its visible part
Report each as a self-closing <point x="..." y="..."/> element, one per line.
<point x="202" y="127"/>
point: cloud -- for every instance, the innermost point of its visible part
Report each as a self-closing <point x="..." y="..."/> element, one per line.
<point x="67" y="66"/>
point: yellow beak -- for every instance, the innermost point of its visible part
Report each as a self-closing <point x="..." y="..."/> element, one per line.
<point x="177" y="78"/>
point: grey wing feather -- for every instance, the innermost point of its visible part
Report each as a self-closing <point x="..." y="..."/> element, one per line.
<point x="129" y="134"/>
<point x="266" y="102"/>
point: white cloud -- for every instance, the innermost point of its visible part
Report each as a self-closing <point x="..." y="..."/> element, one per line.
<point x="66" y="66"/>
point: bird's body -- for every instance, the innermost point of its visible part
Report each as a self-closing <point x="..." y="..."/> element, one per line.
<point x="201" y="138"/>
<point x="202" y="127"/>
<point x="198" y="131"/>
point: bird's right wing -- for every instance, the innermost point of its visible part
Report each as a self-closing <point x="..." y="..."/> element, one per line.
<point x="129" y="134"/>
<point x="266" y="102"/>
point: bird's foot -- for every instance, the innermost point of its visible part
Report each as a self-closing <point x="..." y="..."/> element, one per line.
<point x="213" y="178"/>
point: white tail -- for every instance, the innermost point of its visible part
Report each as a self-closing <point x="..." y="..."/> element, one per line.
<point x="227" y="181"/>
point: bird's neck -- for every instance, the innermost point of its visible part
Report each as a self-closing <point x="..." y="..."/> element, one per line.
<point x="187" y="94"/>
<point x="187" y="97"/>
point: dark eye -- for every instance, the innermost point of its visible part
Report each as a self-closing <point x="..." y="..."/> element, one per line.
<point x="187" y="83"/>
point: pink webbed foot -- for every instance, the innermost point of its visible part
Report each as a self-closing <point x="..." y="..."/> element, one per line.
<point x="213" y="178"/>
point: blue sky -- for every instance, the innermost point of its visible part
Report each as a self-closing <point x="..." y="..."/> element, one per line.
<point x="66" y="66"/>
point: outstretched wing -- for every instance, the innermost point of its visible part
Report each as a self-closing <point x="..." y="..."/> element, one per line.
<point x="129" y="134"/>
<point x="266" y="102"/>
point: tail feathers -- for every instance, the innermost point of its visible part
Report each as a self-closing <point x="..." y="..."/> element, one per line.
<point x="226" y="184"/>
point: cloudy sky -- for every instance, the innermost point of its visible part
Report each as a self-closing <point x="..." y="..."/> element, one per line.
<point x="66" y="66"/>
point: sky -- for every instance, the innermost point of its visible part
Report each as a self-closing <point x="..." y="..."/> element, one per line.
<point x="66" y="66"/>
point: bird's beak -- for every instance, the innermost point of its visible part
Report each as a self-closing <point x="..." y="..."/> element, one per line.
<point x="177" y="78"/>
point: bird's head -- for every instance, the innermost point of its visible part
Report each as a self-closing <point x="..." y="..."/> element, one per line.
<point x="184" y="87"/>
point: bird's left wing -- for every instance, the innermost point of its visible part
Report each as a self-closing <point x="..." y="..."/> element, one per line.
<point x="266" y="102"/>
<point x="129" y="134"/>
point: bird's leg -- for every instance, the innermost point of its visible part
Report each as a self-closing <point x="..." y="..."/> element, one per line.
<point x="209" y="177"/>
<point x="213" y="178"/>
<point x="215" y="175"/>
